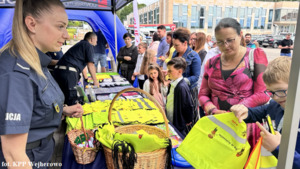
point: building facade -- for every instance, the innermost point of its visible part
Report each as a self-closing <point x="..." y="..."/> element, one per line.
<point x="256" y="17"/>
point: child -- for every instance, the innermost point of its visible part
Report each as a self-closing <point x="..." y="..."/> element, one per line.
<point x="142" y="47"/>
<point x="179" y="105"/>
<point x="171" y="50"/>
<point x="155" y="84"/>
<point x="276" y="78"/>
<point x="148" y="59"/>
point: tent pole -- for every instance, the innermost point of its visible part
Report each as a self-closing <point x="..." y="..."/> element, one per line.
<point x="115" y="28"/>
<point x="292" y="109"/>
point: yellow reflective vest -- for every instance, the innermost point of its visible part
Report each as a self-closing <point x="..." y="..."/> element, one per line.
<point x="216" y="142"/>
<point x="260" y="158"/>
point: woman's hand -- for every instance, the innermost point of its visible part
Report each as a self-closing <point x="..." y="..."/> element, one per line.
<point x="240" y="111"/>
<point x="128" y="58"/>
<point x="270" y="141"/>
<point x="132" y="78"/>
<point x="73" y="111"/>
<point x="220" y="111"/>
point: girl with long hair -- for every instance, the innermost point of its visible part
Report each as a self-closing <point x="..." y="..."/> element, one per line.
<point x="171" y="49"/>
<point x="155" y="85"/>
<point x="199" y="45"/>
<point x="149" y="58"/>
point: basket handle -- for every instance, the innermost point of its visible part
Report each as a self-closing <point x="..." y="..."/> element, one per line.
<point x="83" y="129"/>
<point x="148" y="95"/>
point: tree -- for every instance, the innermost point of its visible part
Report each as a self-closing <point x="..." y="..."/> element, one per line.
<point x="122" y="14"/>
<point x="75" y="23"/>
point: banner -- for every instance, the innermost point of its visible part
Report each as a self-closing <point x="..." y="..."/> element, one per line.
<point x="7" y="3"/>
<point x="136" y="23"/>
<point x="87" y="4"/>
<point x="78" y="4"/>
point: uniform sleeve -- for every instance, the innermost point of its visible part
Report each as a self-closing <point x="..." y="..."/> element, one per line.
<point x="258" y="97"/>
<point x="205" y="92"/>
<point x="89" y="54"/>
<point x="16" y="103"/>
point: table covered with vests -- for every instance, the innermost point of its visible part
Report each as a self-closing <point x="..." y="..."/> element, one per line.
<point x="130" y="108"/>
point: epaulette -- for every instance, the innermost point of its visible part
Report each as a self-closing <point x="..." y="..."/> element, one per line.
<point x="22" y="66"/>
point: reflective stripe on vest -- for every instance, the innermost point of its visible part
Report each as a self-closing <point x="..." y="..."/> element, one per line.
<point x="139" y="104"/>
<point x="227" y="129"/>
<point x="268" y="160"/>
<point x="147" y="104"/>
<point x="260" y="158"/>
<point x="120" y="117"/>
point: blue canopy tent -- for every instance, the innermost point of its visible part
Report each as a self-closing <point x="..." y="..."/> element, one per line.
<point x="100" y="14"/>
<point x="102" y="20"/>
<point x="98" y="20"/>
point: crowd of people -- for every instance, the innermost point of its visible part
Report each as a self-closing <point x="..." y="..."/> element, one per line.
<point x="187" y="73"/>
<point x="202" y="77"/>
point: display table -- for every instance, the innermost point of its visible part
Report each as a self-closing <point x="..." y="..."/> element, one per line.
<point x="69" y="162"/>
<point x="110" y="84"/>
<point x="68" y="158"/>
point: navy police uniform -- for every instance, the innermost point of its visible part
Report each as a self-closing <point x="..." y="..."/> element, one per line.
<point x="29" y="104"/>
<point x="68" y="69"/>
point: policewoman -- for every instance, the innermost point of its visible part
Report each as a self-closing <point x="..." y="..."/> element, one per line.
<point x="31" y="102"/>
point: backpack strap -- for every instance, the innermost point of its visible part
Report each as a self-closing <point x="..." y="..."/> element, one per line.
<point x="251" y="61"/>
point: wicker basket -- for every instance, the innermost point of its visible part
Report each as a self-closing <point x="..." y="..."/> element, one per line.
<point x="82" y="155"/>
<point x="149" y="160"/>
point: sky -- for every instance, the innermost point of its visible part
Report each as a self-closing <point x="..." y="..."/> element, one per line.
<point x="147" y="2"/>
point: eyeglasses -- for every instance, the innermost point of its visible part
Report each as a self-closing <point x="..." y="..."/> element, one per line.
<point x="227" y="42"/>
<point x="194" y="39"/>
<point x="278" y="93"/>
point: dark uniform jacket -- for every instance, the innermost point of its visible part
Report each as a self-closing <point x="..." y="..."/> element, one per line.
<point x="29" y="104"/>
